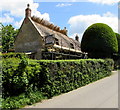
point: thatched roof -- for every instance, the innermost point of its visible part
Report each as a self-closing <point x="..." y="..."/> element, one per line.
<point x="44" y="28"/>
<point x="49" y="25"/>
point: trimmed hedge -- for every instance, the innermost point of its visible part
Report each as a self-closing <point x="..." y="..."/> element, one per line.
<point x="14" y="55"/>
<point x="63" y="76"/>
<point x="50" y="77"/>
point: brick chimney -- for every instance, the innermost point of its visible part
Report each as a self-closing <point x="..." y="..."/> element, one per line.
<point x="28" y="11"/>
<point x="77" y="38"/>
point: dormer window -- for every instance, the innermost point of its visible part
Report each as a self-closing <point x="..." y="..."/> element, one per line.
<point x="71" y="46"/>
<point x="49" y="39"/>
<point x="56" y="41"/>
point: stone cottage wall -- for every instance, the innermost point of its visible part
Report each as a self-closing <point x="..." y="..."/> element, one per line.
<point x="28" y="39"/>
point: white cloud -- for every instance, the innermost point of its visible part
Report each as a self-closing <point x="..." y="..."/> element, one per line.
<point x="78" y="24"/>
<point x="63" y="4"/>
<point x="17" y="24"/>
<point x="16" y="8"/>
<point x="44" y="15"/>
<point x="104" y="2"/>
<point x="6" y="19"/>
<point x="108" y="14"/>
<point x="107" y="2"/>
<point x="74" y="34"/>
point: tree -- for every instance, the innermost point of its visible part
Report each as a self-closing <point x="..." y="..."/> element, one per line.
<point x="8" y="34"/>
<point x="99" y="40"/>
<point x="118" y="39"/>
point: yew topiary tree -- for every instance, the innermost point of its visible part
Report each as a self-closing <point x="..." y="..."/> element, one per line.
<point x="99" y="41"/>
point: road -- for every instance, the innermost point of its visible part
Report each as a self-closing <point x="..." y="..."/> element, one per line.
<point x="100" y="94"/>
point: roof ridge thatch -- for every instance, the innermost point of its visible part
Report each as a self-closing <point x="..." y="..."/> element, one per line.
<point x="49" y="25"/>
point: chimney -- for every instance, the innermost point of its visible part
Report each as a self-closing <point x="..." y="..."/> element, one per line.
<point x="77" y="38"/>
<point x="65" y="29"/>
<point x="28" y="11"/>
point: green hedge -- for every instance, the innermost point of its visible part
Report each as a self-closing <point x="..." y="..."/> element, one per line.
<point x="14" y="55"/>
<point x="50" y="77"/>
<point x="63" y="76"/>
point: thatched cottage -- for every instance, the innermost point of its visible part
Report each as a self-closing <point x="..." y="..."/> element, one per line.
<point x="36" y="35"/>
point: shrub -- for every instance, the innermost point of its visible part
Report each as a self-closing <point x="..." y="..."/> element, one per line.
<point x="116" y="56"/>
<point x="18" y="75"/>
<point x="13" y="76"/>
<point x="99" y="41"/>
<point x="14" y="55"/>
<point x="63" y="76"/>
<point x="48" y="77"/>
<point x="22" y="100"/>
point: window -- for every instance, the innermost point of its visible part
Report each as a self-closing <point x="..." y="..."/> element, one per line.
<point x="71" y="46"/>
<point x="56" y="41"/>
<point x="49" y="39"/>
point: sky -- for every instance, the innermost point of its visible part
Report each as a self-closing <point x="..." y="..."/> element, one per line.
<point x="76" y="15"/>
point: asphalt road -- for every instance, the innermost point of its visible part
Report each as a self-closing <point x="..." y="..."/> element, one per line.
<point x="100" y="94"/>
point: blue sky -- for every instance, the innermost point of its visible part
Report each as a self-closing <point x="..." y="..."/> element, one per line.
<point x="61" y="15"/>
<point x="76" y="16"/>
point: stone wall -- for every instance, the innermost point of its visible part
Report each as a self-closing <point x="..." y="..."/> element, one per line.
<point x="28" y="39"/>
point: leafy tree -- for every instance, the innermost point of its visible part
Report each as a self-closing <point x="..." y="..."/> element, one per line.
<point x="118" y="39"/>
<point x="99" y="41"/>
<point x="8" y="34"/>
